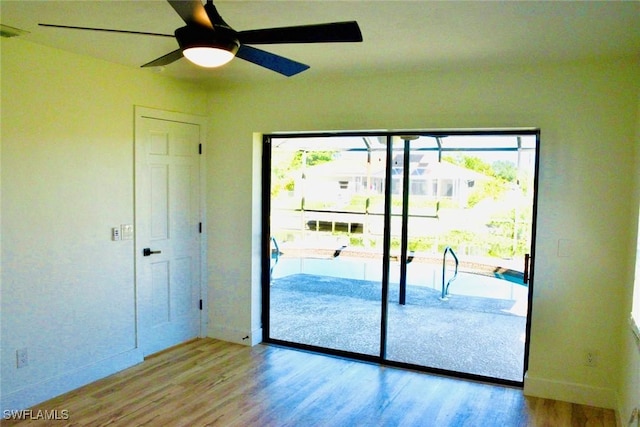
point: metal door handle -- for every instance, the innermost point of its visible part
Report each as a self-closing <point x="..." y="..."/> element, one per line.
<point x="148" y="251"/>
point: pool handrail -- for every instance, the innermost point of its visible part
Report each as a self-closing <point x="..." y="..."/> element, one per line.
<point x="275" y="254"/>
<point x="445" y="288"/>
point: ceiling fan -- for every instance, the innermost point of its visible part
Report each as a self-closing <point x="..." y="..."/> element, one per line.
<point x="207" y="40"/>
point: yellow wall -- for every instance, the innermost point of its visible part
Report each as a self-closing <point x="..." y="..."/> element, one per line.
<point x="67" y="178"/>
<point x="629" y="385"/>
<point x="587" y="115"/>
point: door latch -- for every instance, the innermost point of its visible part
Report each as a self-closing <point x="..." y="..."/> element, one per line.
<point x="148" y="251"/>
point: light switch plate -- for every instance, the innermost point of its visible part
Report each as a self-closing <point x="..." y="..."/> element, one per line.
<point x="126" y="231"/>
<point x="115" y="234"/>
<point x="565" y="248"/>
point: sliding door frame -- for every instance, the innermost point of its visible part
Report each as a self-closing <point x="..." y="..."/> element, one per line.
<point x="388" y="135"/>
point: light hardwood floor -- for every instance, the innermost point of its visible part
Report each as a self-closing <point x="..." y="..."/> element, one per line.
<point x="209" y="382"/>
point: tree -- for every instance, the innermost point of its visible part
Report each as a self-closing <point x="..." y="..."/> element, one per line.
<point x="285" y="163"/>
<point x="505" y="170"/>
<point x="313" y="158"/>
<point x="472" y="163"/>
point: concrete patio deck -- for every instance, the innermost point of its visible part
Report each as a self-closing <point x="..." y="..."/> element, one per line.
<point x="480" y="329"/>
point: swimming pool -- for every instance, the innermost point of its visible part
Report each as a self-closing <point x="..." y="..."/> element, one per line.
<point x="501" y="284"/>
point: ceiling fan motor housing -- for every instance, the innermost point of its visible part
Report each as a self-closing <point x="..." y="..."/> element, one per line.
<point x="191" y="36"/>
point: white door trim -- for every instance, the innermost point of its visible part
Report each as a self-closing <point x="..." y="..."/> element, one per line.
<point x="146" y="112"/>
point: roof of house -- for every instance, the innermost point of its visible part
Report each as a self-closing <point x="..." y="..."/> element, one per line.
<point x="348" y="167"/>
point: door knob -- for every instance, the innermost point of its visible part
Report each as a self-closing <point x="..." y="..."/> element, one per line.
<point x="148" y="251"/>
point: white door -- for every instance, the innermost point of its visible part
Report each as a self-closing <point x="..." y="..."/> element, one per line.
<point x="168" y="226"/>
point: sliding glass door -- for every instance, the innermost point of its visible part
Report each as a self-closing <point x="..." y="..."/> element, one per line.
<point x="407" y="249"/>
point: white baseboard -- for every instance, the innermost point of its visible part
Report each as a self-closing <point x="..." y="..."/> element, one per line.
<point x="37" y="393"/>
<point x="237" y="336"/>
<point x="600" y="397"/>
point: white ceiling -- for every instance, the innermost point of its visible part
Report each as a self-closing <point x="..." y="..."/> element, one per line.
<point x="397" y="34"/>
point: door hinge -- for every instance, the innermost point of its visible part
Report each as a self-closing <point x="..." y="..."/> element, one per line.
<point x="200" y="228"/>
<point x="199" y="148"/>
<point x="200" y="304"/>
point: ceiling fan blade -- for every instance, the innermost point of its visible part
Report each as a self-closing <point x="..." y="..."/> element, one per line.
<point x="191" y="12"/>
<point x="108" y="30"/>
<point x="318" y="33"/>
<point x="273" y="62"/>
<point x="165" y="59"/>
<point x="214" y="16"/>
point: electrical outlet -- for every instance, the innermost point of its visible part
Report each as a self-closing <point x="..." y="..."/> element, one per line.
<point x="115" y="234"/>
<point x="591" y="358"/>
<point x="22" y="358"/>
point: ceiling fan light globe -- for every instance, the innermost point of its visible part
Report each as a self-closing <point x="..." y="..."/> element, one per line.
<point x="208" y="57"/>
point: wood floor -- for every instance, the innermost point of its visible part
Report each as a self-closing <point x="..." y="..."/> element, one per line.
<point x="209" y="382"/>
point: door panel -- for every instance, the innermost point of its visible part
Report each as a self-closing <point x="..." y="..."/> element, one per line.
<point x="315" y="220"/>
<point x="182" y="291"/>
<point x="160" y="292"/>
<point x="159" y="215"/>
<point x="167" y="222"/>
<point x="478" y="328"/>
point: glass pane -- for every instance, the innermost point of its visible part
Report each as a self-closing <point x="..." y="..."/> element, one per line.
<point x="528" y="141"/>
<point x="474" y="323"/>
<point x="425" y="143"/>
<point x="480" y="141"/>
<point x="333" y="143"/>
<point x="327" y="198"/>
